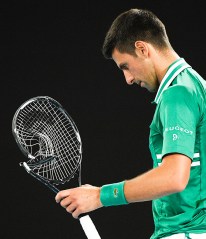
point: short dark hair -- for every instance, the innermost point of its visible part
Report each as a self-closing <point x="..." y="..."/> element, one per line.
<point x="131" y="26"/>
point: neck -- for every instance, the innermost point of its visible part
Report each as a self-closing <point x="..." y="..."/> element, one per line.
<point x="164" y="63"/>
<point x="162" y="60"/>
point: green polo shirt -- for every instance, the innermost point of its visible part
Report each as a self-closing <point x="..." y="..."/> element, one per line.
<point x="179" y="126"/>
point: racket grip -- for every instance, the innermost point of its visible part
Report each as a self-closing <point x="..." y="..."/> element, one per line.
<point x="89" y="227"/>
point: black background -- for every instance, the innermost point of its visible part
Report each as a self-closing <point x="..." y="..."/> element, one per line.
<point x="54" y="48"/>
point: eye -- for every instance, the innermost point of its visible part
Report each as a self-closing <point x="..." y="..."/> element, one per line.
<point x="124" y="67"/>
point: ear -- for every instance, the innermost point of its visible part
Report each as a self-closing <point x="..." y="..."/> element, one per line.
<point x="141" y="49"/>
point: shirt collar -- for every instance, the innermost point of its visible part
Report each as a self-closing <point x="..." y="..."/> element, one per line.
<point x="174" y="69"/>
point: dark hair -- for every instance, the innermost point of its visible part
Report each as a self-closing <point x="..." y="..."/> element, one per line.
<point x="131" y="26"/>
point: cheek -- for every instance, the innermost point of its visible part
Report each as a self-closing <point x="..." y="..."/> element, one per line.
<point x="140" y="73"/>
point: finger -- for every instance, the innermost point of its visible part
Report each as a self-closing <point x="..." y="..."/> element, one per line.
<point x="76" y="214"/>
<point x="71" y="208"/>
<point x="62" y="194"/>
<point x="65" y="202"/>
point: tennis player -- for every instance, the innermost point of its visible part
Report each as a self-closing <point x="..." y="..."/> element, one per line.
<point x="138" y="43"/>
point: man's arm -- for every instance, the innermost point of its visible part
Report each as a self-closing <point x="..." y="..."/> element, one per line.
<point x="170" y="177"/>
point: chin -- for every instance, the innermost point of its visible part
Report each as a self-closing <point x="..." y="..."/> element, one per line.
<point x="152" y="89"/>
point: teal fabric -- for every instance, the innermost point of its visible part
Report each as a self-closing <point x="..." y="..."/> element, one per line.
<point x="113" y="194"/>
<point x="179" y="126"/>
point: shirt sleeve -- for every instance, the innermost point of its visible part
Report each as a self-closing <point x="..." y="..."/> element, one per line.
<point x="179" y="115"/>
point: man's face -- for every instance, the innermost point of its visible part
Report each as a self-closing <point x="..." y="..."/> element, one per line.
<point x="137" y="69"/>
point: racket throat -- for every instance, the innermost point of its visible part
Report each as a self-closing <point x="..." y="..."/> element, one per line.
<point x="45" y="182"/>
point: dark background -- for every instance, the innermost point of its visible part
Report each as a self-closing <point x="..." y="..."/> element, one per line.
<point x="54" y="48"/>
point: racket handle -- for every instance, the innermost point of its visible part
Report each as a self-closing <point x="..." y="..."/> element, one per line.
<point x="89" y="227"/>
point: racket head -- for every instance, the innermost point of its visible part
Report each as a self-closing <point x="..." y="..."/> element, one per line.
<point x="48" y="137"/>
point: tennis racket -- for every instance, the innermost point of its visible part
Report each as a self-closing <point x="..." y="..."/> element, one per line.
<point x="50" y="140"/>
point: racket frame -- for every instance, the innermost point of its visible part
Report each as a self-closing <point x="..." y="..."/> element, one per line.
<point x="85" y="220"/>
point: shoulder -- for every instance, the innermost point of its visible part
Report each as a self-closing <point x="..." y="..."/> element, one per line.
<point x="178" y="93"/>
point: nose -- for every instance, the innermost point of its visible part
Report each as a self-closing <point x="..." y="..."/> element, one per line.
<point x="128" y="77"/>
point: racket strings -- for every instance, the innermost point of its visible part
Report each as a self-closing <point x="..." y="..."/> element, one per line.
<point x="45" y="131"/>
